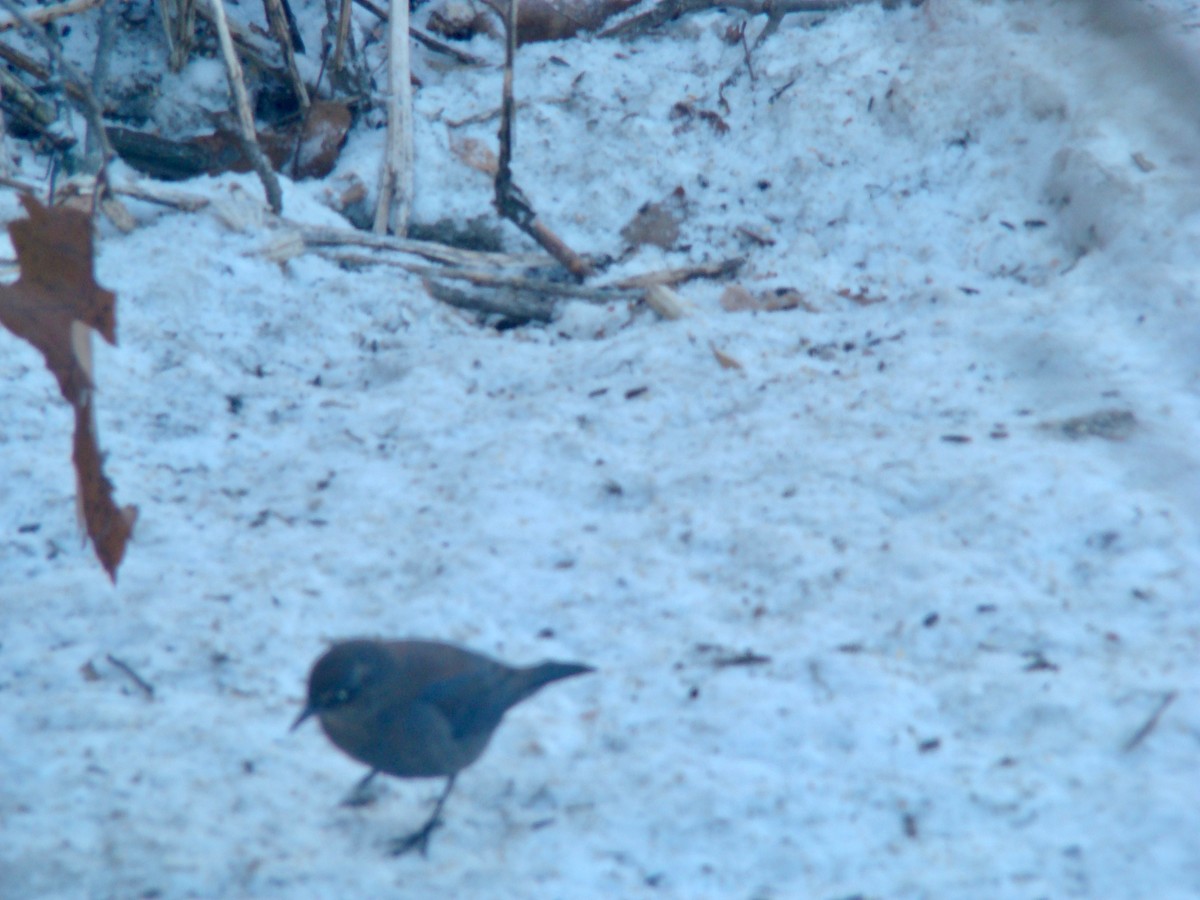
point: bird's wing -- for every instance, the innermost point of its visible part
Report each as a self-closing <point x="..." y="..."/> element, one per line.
<point x="473" y="703"/>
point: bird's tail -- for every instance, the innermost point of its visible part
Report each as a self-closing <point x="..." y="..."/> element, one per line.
<point x="533" y="679"/>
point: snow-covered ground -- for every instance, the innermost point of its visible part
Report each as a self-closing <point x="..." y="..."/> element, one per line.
<point x="968" y="599"/>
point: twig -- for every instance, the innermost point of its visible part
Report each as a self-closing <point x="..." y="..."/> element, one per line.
<point x="380" y="12"/>
<point x="43" y="14"/>
<point x="511" y="304"/>
<point x="317" y="236"/>
<point x="104" y="43"/>
<point x="241" y="102"/>
<point x="511" y="202"/>
<point x="5" y="161"/>
<point x="1142" y="733"/>
<point x="17" y="185"/>
<point x="32" y="66"/>
<point x="278" y="21"/>
<point x="489" y="278"/>
<point x="396" y="173"/>
<point x="155" y="193"/>
<point x="245" y="41"/>
<point x="749" y="658"/>
<point x="337" y="63"/>
<point x="91" y="109"/>
<point x="428" y="40"/>
<point x="432" y="43"/>
<point x="30" y="109"/>
<point x="665" y="302"/>
<point x="718" y="269"/>
<point x="145" y="687"/>
<point x="179" y="27"/>
<point x="672" y="9"/>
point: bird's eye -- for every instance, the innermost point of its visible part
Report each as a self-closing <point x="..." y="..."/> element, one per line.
<point x="341" y="695"/>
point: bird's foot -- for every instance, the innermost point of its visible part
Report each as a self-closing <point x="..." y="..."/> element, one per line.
<point x="418" y="840"/>
<point x="363" y="794"/>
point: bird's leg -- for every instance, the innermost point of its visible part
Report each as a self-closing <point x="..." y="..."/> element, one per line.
<point x="360" y="795"/>
<point x="419" y="839"/>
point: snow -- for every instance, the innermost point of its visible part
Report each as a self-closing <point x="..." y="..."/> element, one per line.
<point x="963" y="636"/>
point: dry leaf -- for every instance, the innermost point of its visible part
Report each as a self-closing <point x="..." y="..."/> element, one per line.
<point x="476" y="154"/>
<point x="322" y="138"/>
<point x="736" y="298"/>
<point x="658" y="223"/>
<point x="54" y="305"/>
<point x="726" y="361"/>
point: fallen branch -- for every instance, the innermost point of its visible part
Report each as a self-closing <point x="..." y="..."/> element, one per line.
<point x="428" y="40"/>
<point x="241" y="102"/>
<point x="91" y="108"/>
<point x="316" y="236"/>
<point x="42" y="15"/>
<point x="719" y="269"/>
<point x="394" y="203"/>
<point x="489" y="278"/>
<point x="508" y="303"/>
<point x="510" y="199"/>
<point x="667" y="10"/>
<point x="248" y="47"/>
<point x="278" y="20"/>
<point x="181" y="200"/>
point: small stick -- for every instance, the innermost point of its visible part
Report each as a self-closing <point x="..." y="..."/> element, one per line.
<point x="5" y="162"/>
<point x="427" y="39"/>
<point x="319" y="235"/>
<point x="396" y="173"/>
<point x="487" y="279"/>
<point x="30" y="108"/>
<point x="17" y="185"/>
<point x="677" y="276"/>
<point x="100" y="69"/>
<point x="44" y="14"/>
<point x="667" y="10"/>
<point x="179" y="27"/>
<point x="245" y="41"/>
<point x="91" y="109"/>
<point x="343" y="37"/>
<point x="513" y="305"/>
<point x="277" y="19"/>
<point x="1142" y="733"/>
<point x="241" y="102"/>
<point x="145" y="687"/>
<point x="511" y="202"/>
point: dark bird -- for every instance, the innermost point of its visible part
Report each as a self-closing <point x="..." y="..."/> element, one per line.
<point x="417" y="709"/>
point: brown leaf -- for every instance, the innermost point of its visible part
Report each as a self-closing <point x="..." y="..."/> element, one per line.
<point x="726" y="361"/>
<point x="321" y="141"/>
<point x="658" y="223"/>
<point x="476" y="154"/>
<point x="736" y="298"/>
<point x="54" y="305"/>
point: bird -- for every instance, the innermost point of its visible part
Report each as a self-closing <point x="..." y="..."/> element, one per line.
<point x="417" y="709"/>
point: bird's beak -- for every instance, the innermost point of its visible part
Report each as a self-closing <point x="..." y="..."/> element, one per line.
<point x="308" y="711"/>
